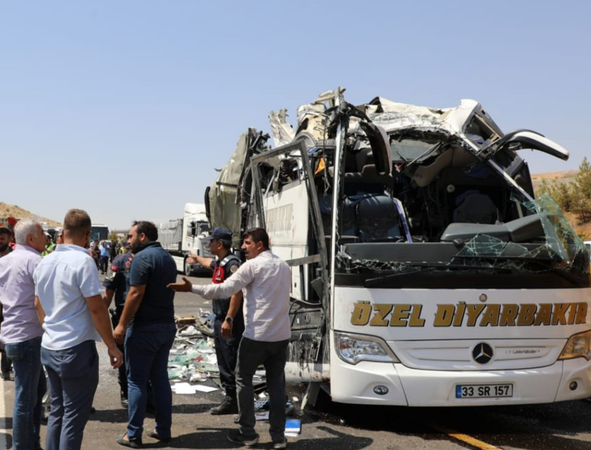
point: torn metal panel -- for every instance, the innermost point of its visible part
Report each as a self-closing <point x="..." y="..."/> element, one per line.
<point x="389" y="195"/>
<point x="282" y="132"/>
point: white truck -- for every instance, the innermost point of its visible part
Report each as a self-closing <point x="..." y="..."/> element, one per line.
<point x="425" y="272"/>
<point x="181" y="236"/>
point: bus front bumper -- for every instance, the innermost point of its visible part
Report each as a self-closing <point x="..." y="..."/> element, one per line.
<point x="394" y="384"/>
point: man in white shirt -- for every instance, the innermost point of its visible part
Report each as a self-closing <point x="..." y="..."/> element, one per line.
<point x="265" y="280"/>
<point x="74" y="316"/>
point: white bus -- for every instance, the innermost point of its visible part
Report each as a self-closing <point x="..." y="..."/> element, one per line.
<point x="425" y="271"/>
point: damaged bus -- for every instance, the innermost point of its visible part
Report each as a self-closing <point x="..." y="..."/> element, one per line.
<point x="425" y="272"/>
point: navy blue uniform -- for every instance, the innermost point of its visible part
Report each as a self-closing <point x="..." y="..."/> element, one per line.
<point x="226" y="349"/>
<point x="118" y="282"/>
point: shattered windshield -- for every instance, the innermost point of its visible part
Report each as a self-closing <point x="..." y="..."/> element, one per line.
<point x="414" y="148"/>
<point x="559" y="248"/>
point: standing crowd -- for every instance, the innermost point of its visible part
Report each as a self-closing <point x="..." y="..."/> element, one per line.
<point x="55" y="310"/>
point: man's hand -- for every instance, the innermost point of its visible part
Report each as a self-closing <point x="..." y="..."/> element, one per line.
<point x="227" y="329"/>
<point x="119" y="334"/>
<point x="181" y="287"/>
<point x="192" y="259"/>
<point x="116" y="357"/>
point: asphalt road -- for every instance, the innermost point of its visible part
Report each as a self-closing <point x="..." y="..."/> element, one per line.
<point x="331" y="426"/>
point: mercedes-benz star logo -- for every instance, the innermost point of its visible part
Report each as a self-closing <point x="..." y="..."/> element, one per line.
<point x="482" y="353"/>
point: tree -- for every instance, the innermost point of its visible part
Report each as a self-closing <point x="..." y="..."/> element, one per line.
<point x="560" y="193"/>
<point x="581" y="192"/>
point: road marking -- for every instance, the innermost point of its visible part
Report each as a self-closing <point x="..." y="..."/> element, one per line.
<point x="3" y="429"/>
<point x="465" y="438"/>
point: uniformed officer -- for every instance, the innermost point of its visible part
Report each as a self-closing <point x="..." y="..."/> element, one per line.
<point x="229" y="320"/>
<point x="116" y="285"/>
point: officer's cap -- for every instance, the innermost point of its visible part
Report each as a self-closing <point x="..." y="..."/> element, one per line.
<point x="221" y="234"/>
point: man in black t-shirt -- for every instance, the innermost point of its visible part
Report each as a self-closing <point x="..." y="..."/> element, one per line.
<point x="149" y="314"/>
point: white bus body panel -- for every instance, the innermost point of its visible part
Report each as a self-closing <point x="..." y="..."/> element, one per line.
<point x="436" y="359"/>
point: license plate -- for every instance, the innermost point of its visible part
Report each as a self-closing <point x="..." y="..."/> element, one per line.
<point x="484" y="391"/>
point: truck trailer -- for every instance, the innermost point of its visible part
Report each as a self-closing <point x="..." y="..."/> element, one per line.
<point x="184" y="235"/>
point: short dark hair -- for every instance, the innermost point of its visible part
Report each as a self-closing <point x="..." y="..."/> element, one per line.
<point x="226" y="243"/>
<point x="77" y="222"/>
<point x="258" y="235"/>
<point x="148" y="228"/>
<point x="5" y="230"/>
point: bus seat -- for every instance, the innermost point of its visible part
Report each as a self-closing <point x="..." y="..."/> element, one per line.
<point x="474" y="207"/>
<point x="378" y="219"/>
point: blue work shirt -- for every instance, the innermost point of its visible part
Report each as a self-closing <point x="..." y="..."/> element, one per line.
<point x="117" y="280"/>
<point x="153" y="267"/>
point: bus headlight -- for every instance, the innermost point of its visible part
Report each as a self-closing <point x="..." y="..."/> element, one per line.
<point x="579" y="345"/>
<point x="354" y="348"/>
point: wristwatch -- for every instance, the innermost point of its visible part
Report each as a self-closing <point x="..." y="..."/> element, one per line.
<point x="229" y="319"/>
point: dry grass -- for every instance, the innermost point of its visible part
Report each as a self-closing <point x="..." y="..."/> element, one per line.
<point x="7" y="210"/>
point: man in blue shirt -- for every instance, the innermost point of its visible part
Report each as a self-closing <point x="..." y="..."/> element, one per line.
<point x="148" y="329"/>
<point x="104" y="256"/>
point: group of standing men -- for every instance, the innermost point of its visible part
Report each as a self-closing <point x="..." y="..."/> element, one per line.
<point x="63" y="293"/>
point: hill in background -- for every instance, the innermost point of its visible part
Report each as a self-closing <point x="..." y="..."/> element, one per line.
<point x="560" y="177"/>
<point x="583" y="229"/>
<point x="7" y="210"/>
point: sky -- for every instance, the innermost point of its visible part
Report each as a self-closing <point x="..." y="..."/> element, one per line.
<point x="126" y="108"/>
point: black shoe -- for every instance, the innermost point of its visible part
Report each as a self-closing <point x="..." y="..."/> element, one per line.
<point x="280" y="444"/>
<point x="229" y="405"/>
<point x="155" y="435"/>
<point x="133" y="443"/>
<point x="236" y="437"/>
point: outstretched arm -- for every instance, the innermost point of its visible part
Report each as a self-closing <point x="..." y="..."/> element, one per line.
<point x="185" y="286"/>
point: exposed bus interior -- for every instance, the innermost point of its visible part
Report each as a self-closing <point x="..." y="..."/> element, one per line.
<point x="427" y="198"/>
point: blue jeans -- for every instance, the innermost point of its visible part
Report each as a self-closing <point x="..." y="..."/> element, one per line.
<point x="73" y="378"/>
<point x="147" y="347"/>
<point x="30" y="386"/>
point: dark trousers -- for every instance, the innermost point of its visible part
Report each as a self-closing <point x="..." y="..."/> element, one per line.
<point x="146" y="355"/>
<point x="104" y="263"/>
<point x="226" y="351"/>
<point x="272" y="355"/>
<point x="122" y="374"/>
<point x="6" y="365"/>
<point x="73" y="378"/>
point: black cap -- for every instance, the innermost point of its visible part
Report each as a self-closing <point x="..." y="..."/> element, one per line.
<point x="220" y="233"/>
